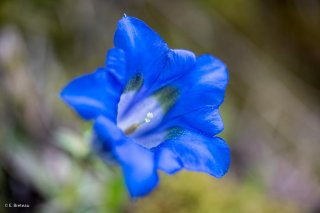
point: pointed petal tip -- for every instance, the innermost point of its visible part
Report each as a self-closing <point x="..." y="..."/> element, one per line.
<point x="125" y="17"/>
<point x="129" y="21"/>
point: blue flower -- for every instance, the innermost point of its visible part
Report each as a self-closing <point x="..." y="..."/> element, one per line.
<point x="153" y="108"/>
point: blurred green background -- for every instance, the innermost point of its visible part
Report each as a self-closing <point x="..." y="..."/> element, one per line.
<point x="271" y="111"/>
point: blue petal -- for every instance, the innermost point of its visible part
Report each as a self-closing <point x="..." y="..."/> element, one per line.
<point x="194" y="152"/>
<point x="167" y="161"/>
<point x="138" y="167"/>
<point x="203" y="86"/>
<point x="137" y="163"/>
<point x="206" y="120"/>
<point x="145" y="51"/>
<point x="116" y="66"/>
<point x="97" y="93"/>
<point x="178" y="63"/>
<point x="196" y="98"/>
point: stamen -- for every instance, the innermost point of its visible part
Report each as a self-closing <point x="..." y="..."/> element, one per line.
<point x="135" y="126"/>
<point x="149" y="117"/>
<point x="131" y="129"/>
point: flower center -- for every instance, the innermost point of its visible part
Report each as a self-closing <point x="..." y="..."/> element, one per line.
<point x="131" y="129"/>
<point x="138" y="117"/>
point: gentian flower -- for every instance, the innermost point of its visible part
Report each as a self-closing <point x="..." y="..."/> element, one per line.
<point x="153" y="108"/>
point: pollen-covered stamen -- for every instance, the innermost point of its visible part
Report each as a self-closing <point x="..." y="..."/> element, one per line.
<point x="131" y="129"/>
<point x="149" y="117"/>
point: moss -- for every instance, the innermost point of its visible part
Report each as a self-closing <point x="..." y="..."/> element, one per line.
<point x="200" y="193"/>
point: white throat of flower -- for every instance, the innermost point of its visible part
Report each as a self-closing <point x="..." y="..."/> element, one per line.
<point x="131" y="129"/>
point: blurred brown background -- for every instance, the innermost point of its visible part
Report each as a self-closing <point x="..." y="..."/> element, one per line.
<point x="271" y="111"/>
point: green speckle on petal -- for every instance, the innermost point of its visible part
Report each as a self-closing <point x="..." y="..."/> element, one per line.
<point x="134" y="83"/>
<point x="167" y="96"/>
<point x="174" y="133"/>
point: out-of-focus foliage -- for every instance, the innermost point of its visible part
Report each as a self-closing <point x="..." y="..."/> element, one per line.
<point x="200" y="193"/>
<point x="271" y="111"/>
